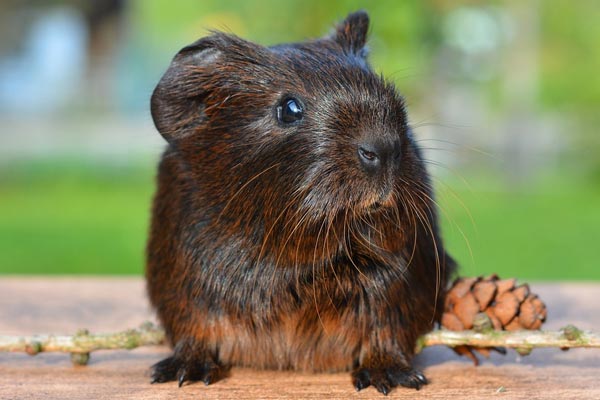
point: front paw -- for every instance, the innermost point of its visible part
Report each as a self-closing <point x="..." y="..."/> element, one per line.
<point x="386" y="378"/>
<point x="172" y="368"/>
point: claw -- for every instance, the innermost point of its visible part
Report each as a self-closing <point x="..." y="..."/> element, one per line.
<point x="181" y="376"/>
<point x="359" y="386"/>
<point x="412" y="379"/>
<point x="164" y="371"/>
<point x="360" y="379"/>
<point x="383" y="387"/>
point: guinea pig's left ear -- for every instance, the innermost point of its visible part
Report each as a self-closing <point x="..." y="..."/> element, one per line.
<point x="177" y="103"/>
<point x="351" y="33"/>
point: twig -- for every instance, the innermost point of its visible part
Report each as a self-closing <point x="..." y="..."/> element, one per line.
<point x="567" y="337"/>
<point x="83" y="342"/>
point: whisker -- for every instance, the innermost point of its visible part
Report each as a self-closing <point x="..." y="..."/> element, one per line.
<point x="242" y="188"/>
<point x="314" y="278"/>
<point x="459" y="200"/>
<point x="461" y="146"/>
<point x="436" y="253"/>
<point x="451" y="170"/>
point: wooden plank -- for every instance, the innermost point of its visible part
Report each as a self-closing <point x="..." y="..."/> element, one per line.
<point x="63" y="305"/>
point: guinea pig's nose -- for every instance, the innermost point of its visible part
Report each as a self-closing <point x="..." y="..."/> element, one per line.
<point x="369" y="157"/>
<point x="376" y="156"/>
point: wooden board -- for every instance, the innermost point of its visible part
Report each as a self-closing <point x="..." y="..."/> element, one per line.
<point x="63" y="305"/>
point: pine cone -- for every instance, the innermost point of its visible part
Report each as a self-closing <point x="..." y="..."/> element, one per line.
<point x="507" y="306"/>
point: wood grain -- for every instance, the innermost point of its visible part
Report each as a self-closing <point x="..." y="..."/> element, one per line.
<point x="63" y="305"/>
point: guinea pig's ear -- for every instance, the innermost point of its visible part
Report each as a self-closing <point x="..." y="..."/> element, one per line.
<point x="177" y="103"/>
<point x="351" y="33"/>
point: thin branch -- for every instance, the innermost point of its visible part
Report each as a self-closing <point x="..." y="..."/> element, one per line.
<point x="567" y="337"/>
<point x="83" y="342"/>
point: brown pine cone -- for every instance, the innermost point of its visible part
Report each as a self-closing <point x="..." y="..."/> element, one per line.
<point x="508" y="307"/>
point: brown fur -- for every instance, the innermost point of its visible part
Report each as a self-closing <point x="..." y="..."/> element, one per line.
<point x="274" y="245"/>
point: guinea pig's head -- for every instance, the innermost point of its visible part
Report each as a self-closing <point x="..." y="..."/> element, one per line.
<point x="298" y="147"/>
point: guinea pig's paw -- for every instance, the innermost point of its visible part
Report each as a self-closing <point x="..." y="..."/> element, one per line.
<point x="385" y="379"/>
<point x="165" y="370"/>
<point x="171" y="369"/>
<point x="408" y="378"/>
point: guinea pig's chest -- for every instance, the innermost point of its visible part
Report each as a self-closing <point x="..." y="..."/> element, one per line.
<point x="312" y="338"/>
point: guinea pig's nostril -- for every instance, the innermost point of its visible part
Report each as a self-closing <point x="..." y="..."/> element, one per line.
<point x="368" y="158"/>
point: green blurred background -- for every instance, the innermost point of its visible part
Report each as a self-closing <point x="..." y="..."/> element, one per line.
<point x="503" y="95"/>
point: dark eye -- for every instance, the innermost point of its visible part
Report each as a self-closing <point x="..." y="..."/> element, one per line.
<point x="289" y="111"/>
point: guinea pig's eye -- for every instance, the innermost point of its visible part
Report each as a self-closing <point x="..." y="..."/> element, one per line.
<point x="289" y="111"/>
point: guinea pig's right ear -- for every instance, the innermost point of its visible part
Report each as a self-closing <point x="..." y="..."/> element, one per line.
<point x="352" y="32"/>
<point x="177" y="103"/>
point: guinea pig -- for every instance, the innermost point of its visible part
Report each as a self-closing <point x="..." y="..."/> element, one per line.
<point x="294" y="225"/>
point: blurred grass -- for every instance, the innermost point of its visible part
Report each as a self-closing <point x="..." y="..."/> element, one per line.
<point x="544" y="231"/>
<point x="75" y="217"/>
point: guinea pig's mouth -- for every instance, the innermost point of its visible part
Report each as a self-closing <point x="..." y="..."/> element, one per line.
<point x="378" y="206"/>
<point x="378" y="202"/>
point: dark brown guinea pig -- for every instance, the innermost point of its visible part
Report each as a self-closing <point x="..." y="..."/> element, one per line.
<point x="293" y="226"/>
